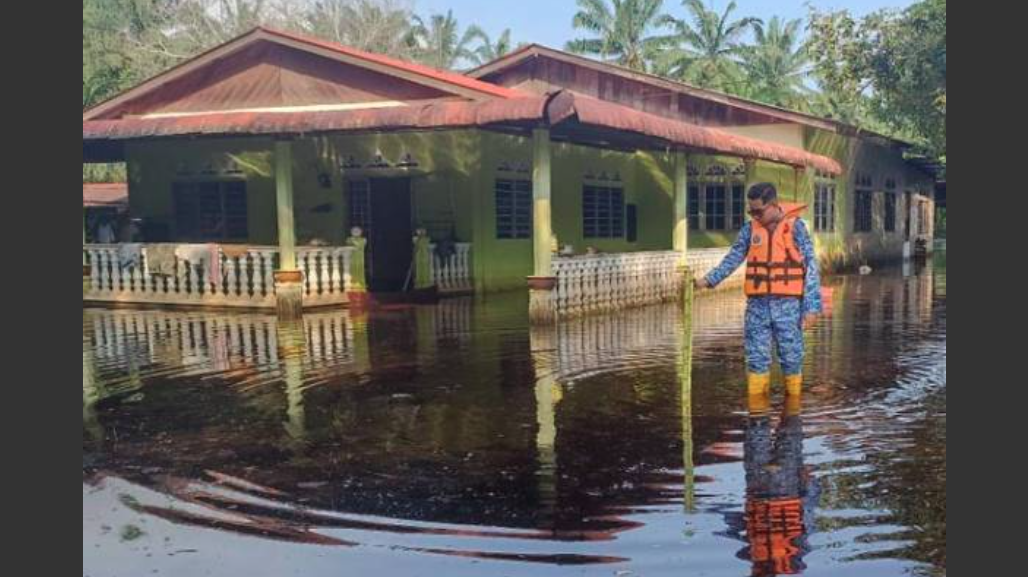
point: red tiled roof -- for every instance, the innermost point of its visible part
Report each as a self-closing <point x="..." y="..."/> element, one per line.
<point x="608" y="115"/>
<point x="518" y="56"/>
<point x="438" y="114"/>
<point x="553" y="110"/>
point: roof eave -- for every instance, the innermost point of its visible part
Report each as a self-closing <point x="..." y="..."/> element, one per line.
<point x="558" y="110"/>
<point x="537" y="50"/>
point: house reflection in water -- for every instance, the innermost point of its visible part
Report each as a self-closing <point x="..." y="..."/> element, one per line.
<point x="358" y="396"/>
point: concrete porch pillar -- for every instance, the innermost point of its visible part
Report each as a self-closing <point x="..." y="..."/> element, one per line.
<point x="680" y="241"/>
<point x="288" y="278"/>
<point x="541" y="307"/>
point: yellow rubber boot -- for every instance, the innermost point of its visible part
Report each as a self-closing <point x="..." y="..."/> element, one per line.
<point x="793" y="405"/>
<point x="793" y="385"/>
<point x="759" y="403"/>
<point x="758" y="383"/>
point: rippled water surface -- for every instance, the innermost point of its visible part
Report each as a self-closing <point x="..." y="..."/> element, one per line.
<point x="455" y="440"/>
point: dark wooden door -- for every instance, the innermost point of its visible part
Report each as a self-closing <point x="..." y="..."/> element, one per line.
<point x="390" y="240"/>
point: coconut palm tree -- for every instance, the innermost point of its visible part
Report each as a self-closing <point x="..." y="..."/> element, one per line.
<point x="439" y="42"/>
<point x="623" y="30"/>
<point x="777" y="64"/>
<point x="707" y="47"/>
<point x="488" y="50"/>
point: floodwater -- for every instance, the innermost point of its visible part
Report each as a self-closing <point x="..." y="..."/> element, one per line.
<point x="454" y="440"/>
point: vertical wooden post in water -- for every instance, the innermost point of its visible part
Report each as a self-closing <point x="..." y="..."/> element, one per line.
<point x="685" y="380"/>
<point x="288" y="279"/>
<point x="542" y="282"/>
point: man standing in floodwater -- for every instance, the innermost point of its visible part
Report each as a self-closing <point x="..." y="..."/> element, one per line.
<point x="783" y="286"/>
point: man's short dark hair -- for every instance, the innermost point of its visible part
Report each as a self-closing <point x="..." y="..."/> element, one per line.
<point x="764" y="191"/>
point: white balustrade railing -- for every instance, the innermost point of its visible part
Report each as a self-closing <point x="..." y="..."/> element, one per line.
<point x="604" y="282"/>
<point x="246" y="280"/>
<point x="453" y="274"/>
<point x="326" y="273"/>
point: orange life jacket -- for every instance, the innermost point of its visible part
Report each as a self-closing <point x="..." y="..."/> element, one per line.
<point x="773" y="526"/>
<point x="774" y="265"/>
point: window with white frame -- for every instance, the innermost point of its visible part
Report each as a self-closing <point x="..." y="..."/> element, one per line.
<point x="824" y="208"/>
<point x="824" y="204"/>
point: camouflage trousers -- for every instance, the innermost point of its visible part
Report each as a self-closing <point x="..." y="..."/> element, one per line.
<point x="779" y="321"/>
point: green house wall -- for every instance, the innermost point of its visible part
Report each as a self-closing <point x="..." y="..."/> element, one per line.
<point x="453" y="189"/>
<point x="646" y="179"/>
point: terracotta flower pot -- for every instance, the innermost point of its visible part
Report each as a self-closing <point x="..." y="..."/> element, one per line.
<point x="288" y="276"/>
<point x="544" y="283"/>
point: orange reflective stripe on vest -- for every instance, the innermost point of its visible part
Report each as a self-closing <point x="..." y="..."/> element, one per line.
<point x="774" y="265"/>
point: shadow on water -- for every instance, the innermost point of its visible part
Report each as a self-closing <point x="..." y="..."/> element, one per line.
<point x="620" y="442"/>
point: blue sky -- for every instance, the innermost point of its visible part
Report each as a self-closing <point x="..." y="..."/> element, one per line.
<point x="549" y="21"/>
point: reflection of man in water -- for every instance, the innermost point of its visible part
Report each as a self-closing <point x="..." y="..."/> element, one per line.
<point x="779" y="497"/>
